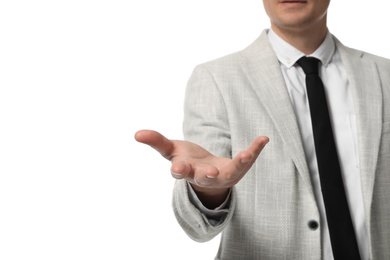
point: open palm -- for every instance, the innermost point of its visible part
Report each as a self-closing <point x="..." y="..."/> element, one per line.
<point x="207" y="173"/>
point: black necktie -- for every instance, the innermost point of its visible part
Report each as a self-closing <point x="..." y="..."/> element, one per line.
<point x="342" y="234"/>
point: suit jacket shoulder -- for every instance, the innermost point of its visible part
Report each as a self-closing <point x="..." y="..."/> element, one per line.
<point x="259" y="48"/>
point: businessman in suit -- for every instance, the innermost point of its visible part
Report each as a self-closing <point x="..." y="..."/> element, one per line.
<point x="260" y="100"/>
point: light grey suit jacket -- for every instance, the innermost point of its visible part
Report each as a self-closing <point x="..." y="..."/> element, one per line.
<point x="233" y="100"/>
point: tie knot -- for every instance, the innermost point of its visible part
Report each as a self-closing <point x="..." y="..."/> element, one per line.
<point x="309" y="65"/>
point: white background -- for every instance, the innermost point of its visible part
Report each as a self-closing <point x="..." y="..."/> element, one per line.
<point x="77" y="79"/>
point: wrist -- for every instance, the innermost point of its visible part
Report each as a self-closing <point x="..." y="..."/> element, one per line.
<point x="211" y="198"/>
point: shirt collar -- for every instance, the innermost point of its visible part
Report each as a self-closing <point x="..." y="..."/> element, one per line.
<point x="288" y="55"/>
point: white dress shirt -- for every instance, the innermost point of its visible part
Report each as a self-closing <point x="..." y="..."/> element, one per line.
<point x="342" y="115"/>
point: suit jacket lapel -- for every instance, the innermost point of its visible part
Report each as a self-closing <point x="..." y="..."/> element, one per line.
<point x="367" y="95"/>
<point x="263" y="70"/>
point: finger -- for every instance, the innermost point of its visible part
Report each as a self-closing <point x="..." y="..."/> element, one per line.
<point x="156" y="140"/>
<point x="257" y="146"/>
<point x="242" y="162"/>
<point x="180" y="169"/>
<point x="204" y="175"/>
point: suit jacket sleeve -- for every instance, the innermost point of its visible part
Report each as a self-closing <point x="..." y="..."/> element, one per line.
<point x="206" y="124"/>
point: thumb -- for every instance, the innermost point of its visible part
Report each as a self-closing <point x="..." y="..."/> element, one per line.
<point x="157" y="141"/>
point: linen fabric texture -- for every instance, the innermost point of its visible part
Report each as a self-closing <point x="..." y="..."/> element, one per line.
<point x="231" y="101"/>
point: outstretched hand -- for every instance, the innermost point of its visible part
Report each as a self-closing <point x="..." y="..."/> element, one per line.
<point x="210" y="176"/>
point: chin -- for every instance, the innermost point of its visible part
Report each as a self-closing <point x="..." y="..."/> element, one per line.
<point x="294" y="22"/>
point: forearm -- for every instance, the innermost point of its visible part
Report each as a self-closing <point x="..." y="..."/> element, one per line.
<point x="198" y="223"/>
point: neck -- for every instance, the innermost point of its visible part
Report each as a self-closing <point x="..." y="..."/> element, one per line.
<point x="306" y="40"/>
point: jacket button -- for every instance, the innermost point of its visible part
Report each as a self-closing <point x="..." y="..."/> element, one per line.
<point x="313" y="225"/>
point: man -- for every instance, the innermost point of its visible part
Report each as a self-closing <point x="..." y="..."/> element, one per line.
<point x="276" y="205"/>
